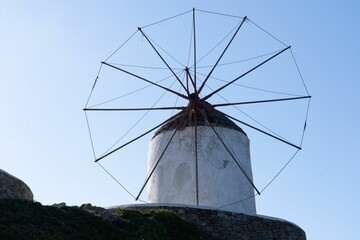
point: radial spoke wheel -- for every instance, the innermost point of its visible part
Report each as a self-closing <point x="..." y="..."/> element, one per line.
<point x="200" y="65"/>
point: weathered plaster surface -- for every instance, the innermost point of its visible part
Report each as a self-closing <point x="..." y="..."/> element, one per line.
<point x="220" y="180"/>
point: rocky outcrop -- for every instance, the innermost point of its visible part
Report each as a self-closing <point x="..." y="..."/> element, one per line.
<point x="12" y="187"/>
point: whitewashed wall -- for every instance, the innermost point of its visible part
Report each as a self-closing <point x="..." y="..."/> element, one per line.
<point x="221" y="182"/>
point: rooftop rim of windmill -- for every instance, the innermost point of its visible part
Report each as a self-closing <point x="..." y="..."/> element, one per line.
<point x="204" y="113"/>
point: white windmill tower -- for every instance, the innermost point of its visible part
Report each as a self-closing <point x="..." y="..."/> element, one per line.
<point x="199" y="156"/>
<point x="195" y="166"/>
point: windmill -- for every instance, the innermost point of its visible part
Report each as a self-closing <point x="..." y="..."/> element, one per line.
<point x="200" y="154"/>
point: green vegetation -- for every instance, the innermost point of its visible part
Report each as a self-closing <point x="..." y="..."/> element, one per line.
<point x="21" y="219"/>
<point x="159" y="224"/>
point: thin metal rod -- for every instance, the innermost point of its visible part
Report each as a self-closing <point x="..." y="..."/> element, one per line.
<point x="133" y="140"/>
<point x="166" y="19"/>
<point x="146" y="80"/>
<point x="298" y="69"/>
<point x="187" y="77"/>
<point x="133" y="109"/>
<point x="260" y="101"/>
<point x="249" y="71"/>
<point x="91" y="138"/>
<point x="93" y="87"/>
<point x="148" y="40"/>
<point x="232" y="156"/>
<point x="218" y="13"/>
<point x="112" y="176"/>
<point x="191" y="79"/>
<point x="196" y="161"/>
<point x="286" y="164"/>
<point x="194" y="25"/>
<point x="257" y="129"/>
<point x="222" y="54"/>
<point x="152" y="171"/>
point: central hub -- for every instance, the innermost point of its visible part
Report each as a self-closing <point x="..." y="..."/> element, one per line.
<point x="193" y="100"/>
<point x="194" y="96"/>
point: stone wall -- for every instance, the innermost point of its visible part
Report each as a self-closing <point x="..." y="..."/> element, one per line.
<point x="231" y="226"/>
<point x="12" y="187"/>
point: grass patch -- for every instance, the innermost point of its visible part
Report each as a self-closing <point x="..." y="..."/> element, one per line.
<point x="159" y="224"/>
<point x="21" y="219"/>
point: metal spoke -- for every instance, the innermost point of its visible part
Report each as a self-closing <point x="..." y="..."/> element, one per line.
<point x="133" y="140"/>
<point x="188" y="75"/>
<point x="260" y="101"/>
<point x="148" y="40"/>
<point x="152" y="171"/>
<point x="257" y="129"/>
<point x="133" y="109"/>
<point x="195" y="89"/>
<point x="232" y="156"/>
<point x="222" y="54"/>
<point x="196" y="161"/>
<point x="146" y="80"/>
<point x="249" y="71"/>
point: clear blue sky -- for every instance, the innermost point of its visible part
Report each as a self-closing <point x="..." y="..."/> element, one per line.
<point x="50" y="53"/>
